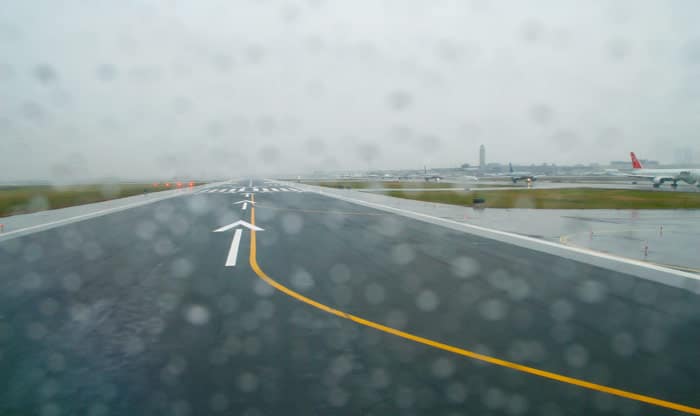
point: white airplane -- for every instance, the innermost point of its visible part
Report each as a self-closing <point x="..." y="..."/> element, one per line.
<point x="429" y="176"/>
<point x="659" y="176"/>
<point x="519" y="176"/>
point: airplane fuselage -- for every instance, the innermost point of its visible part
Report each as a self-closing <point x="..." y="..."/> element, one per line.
<point x="659" y="176"/>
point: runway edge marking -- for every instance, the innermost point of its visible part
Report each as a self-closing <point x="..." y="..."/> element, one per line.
<point x="450" y="348"/>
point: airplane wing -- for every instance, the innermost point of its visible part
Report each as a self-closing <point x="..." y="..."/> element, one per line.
<point x="637" y="175"/>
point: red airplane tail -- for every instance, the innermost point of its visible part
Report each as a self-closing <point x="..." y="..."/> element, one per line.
<point x="635" y="162"/>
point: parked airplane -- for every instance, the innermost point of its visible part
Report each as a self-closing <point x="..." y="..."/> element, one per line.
<point x="519" y="176"/>
<point x="659" y="176"/>
<point x="429" y="176"/>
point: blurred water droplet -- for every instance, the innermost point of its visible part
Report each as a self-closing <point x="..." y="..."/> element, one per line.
<point x="292" y="223"/>
<point x="32" y="252"/>
<point x="576" y="356"/>
<point x="443" y="368"/>
<point x="36" y="331"/>
<point x="50" y="409"/>
<point x="379" y="378"/>
<point x="405" y="398"/>
<point x="562" y="333"/>
<point x="591" y="291"/>
<point x="402" y="254"/>
<point x="71" y="282"/>
<point x="624" y="344"/>
<point x="338" y="397"/>
<point x="182" y="268"/>
<point x="106" y="72"/>
<point x="494" y="398"/>
<point x="399" y="100"/>
<point x="133" y="345"/>
<point x="98" y="409"/>
<point x="247" y="382"/>
<point x="517" y="405"/>
<point x="396" y="319"/>
<point x="427" y="301"/>
<point x="218" y="402"/>
<point x="302" y="280"/>
<point x="561" y="310"/>
<point x="32" y="281"/>
<point x="493" y="309"/>
<point x="464" y="267"/>
<point x="262" y="289"/>
<point x="541" y="114"/>
<point x="456" y="392"/>
<point x="374" y="293"/>
<point x="532" y="31"/>
<point x="340" y="273"/>
<point x="197" y="314"/>
<point x="45" y="73"/>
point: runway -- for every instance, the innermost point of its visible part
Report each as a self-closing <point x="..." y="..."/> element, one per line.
<point x="314" y="305"/>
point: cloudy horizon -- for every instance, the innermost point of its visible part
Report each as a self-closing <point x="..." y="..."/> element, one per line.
<point x="153" y="89"/>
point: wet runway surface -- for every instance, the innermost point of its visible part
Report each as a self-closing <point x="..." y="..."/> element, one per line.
<point x="661" y="236"/>
<point x="667" y="237"/>
<point x="137" y="312"/>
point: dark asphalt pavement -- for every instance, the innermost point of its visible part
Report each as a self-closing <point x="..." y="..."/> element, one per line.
<point x="135" y="313"/>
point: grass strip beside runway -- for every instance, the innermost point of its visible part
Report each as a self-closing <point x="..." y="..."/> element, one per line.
<point x="577" y="198"/>
<point x="25" y="199"/>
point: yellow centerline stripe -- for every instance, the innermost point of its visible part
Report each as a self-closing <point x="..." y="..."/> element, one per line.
<point x="456" y="350"/>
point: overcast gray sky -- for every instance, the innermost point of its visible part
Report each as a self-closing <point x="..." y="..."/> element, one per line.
<point x="141" y="88"/>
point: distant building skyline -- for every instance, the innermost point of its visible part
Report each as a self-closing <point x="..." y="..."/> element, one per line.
<point x="482" y="156"/>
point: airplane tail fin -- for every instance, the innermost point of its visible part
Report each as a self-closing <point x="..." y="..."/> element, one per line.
<point x="510" y="167"/>
<point x="635" y="162"/>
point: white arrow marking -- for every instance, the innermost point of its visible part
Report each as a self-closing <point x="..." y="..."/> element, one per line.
<point x="243" y="202"/>
<point x="245" y="206"/>
<point x="247" y="195"/>
<point x="241" y="189"/>
<point x="255" y="189"/>
<point x="233" y="251"/>
<point x="236" y="224"/>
